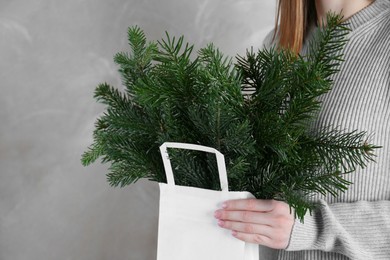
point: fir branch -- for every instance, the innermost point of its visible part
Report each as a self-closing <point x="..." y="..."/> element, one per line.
<point x="110" y="96"/>
<point x="255" y="111"/>
<point x="135" y="65"/>
<point x="337" y="147"/>
<point x="92" y="154"/>
<point x="325" y="49"/>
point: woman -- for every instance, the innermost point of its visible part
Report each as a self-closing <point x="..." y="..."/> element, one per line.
<point x="356" y="224"/>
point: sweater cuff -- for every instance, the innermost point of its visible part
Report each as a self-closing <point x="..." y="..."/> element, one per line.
<point x="303" y="235"/>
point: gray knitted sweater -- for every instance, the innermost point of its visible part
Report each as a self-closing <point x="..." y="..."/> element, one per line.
<point x="356" y="224"/>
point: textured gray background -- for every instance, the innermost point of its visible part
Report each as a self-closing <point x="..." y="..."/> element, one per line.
<point x="53" y="54"/>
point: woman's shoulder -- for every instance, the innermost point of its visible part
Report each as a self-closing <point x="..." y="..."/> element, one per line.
<point x="269" y="39"/>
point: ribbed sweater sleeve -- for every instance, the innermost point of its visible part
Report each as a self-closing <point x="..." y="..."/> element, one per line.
<point x="359" y="230"/>
<point x="355" y="224"/>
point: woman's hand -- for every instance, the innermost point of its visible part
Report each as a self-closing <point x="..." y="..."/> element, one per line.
<point x="264" y="222"/>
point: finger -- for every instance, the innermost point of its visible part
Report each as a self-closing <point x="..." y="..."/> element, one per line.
<point x="248" y="204"/>
<point x="252" y="238"/>
<point x="259" y="239"/>
<point x="244" y="216"/>
<point x="249" y="228"/>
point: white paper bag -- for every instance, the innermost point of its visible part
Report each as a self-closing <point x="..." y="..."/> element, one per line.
<point x="187" y="228"/>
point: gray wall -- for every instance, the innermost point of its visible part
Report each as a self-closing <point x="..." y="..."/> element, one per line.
<point x="53" y="54"/>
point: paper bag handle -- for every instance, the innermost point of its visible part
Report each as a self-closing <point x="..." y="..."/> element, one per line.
<point x="168" y="167"/>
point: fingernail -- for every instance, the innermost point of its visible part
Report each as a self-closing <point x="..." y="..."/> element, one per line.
<point x="234" y="233"/>
<point x="220" y="223"/>
<point x="224" y="205"/>
<point x="217" y="214"/>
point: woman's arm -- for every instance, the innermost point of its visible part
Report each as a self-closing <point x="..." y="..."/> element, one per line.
<point x="359" y="230"/>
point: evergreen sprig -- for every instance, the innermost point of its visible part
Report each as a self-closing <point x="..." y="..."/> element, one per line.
<point x="255" y="111"/>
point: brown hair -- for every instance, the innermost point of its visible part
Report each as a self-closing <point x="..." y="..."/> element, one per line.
<point x="294" y="18"/>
